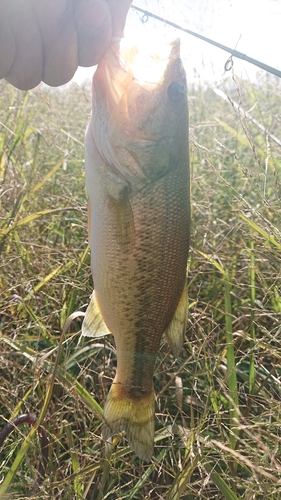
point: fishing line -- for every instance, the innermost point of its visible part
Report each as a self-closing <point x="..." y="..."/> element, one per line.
<point x="234" y="53"/>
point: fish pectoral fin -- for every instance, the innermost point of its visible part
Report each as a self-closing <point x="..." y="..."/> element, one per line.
<point x="176" y="330"/>
<point x="122" y="215"/>
<point x="93" y="324"/>
<point x="134" y="416"/>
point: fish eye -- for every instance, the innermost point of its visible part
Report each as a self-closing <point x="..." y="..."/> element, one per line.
<point x="176" y="92"/>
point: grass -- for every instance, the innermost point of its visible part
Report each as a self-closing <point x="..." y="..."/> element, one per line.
<point x="218" y="411"/>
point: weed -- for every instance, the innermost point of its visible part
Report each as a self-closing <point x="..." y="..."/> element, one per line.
<point x="218" y="410"/>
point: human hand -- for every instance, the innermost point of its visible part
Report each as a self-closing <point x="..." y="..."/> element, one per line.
<point x="48" y="39"/>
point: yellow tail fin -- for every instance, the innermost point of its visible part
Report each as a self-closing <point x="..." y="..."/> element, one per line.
<point x="133" y="415"/>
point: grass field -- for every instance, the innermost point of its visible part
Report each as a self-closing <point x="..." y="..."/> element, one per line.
<point x="218" y="406"/>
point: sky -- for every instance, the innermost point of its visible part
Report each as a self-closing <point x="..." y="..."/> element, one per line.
<point x="252" y="27"/>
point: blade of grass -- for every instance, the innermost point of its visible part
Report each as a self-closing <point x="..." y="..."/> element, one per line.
<point x="136" y="488"/>
<point x="242" y="459"/>
<point x="276" y="300"/>
<point x="179" y="485"/>
<point x="269" y="237"/>
<point x="231" y="370"/>
<point x="231" y="364"/>
<point x="22" y="400"/>
<point x="252" y="317"/>
<point x="46" y="279"/>
<point x="47" y="176"/>
<point x="221" y="484"/>
<point x="78" y="485"/>
<point x="29" y="218"/>
<point x="39" y="324"/>
<point x="243" y="140"/>
<point x="2" y="166"/>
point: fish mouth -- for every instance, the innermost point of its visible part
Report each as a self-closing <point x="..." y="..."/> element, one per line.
<point x="121" y="66"/>
<point x="148" y="66"/>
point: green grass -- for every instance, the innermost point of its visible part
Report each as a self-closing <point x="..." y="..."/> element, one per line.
<point x="218" y="411"/>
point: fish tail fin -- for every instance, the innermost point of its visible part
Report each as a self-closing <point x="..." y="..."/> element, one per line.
<point x="134" y="415"/>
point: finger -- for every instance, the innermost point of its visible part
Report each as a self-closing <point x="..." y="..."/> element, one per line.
<point x="8" y="47"/>
<point x="93" y="24"/>
<point x="58" y="31"/>
<point x="119" y="10"/>
<point x="26" y="69"/>
<point x="7" y="39"/>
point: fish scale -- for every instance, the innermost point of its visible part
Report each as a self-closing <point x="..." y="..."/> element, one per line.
<point x="137" y="177"/>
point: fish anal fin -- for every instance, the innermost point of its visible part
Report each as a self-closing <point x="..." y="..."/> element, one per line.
<point x="176" y="330"/>
<point x="93" y="324"/>
<point x="135" y="416"/>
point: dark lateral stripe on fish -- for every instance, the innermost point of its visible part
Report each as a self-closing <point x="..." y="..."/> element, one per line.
<point x="142" y="372"/>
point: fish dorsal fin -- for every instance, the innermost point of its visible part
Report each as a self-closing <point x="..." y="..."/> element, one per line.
<point x="93" y="324"/>
<point x="176" y="330"/>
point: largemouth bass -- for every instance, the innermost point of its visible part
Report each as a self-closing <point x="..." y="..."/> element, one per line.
<point x="137" y="177"/>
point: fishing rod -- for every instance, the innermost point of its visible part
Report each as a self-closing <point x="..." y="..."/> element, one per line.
<point x="221" y="94"/>
<point x="234" y="53"/>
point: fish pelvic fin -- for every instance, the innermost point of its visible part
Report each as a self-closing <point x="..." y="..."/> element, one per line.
<point x="176" y="330"/>
<point x="93" y="324"/>
<point x="133" y="415"/>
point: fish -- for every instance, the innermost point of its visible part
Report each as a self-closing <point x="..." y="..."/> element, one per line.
<point x="138" y="186"/>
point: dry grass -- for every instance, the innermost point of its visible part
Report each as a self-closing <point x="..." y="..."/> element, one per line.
<point x="218" y="409"/>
